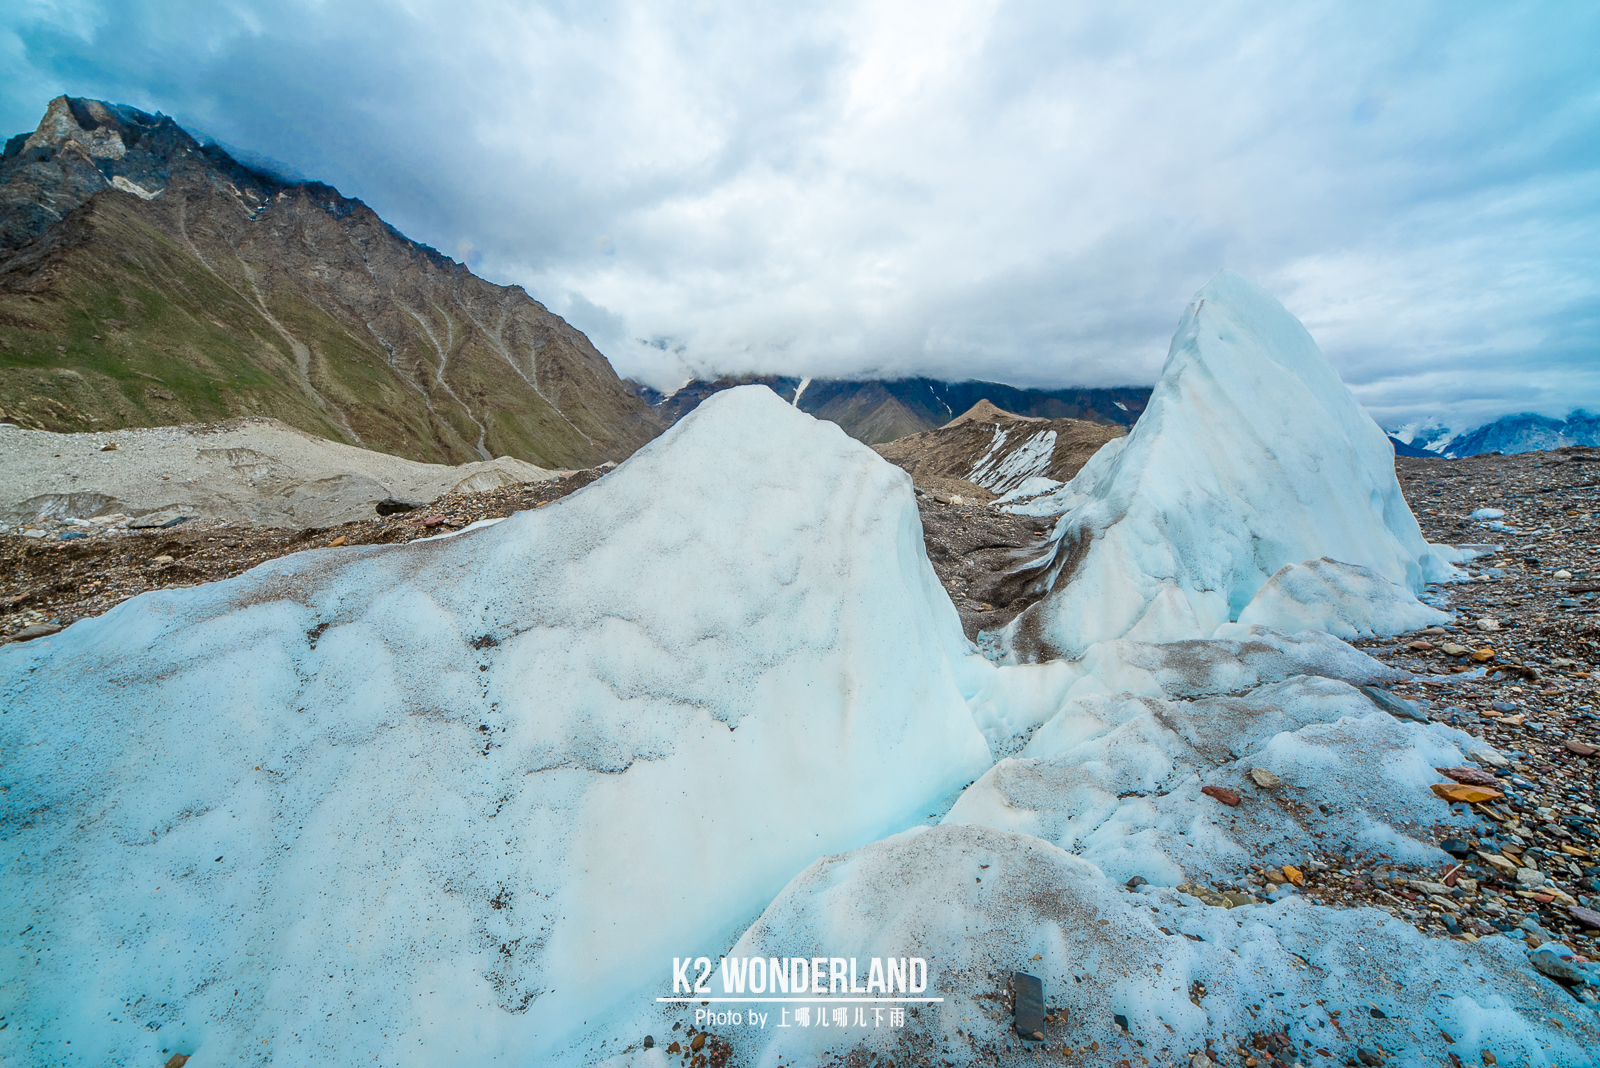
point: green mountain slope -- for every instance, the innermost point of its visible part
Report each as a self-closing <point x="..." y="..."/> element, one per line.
<point x="146" y="280"/>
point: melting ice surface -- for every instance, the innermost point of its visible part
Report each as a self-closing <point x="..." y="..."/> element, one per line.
<point x="1250" y="456"/>
<point x="463" y="801"/>
<point x="450" y="801"/>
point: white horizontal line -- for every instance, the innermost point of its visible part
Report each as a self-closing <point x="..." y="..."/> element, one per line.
<point x="775" y="1001"/>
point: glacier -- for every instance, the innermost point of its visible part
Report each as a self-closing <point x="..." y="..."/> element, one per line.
<point x="449" y="801"/>
<point x="464" y="800"/>
<point x="1251" y="455"/>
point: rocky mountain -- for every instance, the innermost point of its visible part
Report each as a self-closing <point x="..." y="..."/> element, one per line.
<point x="1428" y="436"/>
<point x="1527" y="432"/>
<point x="149" y="280"/>
<point x="987" y="451"/>
<point x="1403" y="449"/>
<point x="876" y="410"/>
<point x="1508" y="435"/>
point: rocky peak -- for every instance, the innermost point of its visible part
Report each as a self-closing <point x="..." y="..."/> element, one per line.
<point x="80" y="148"/>
<point x="985" y="412"/>
<point x="93" y="128"/>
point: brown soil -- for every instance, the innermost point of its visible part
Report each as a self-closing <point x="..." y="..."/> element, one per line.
<point x="935" y="457"/>
<point x="975" y="550"/>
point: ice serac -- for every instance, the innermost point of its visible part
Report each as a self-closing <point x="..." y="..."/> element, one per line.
<point x="1344" y="600"/>
<point x="464" y="800"/>
<point x="1251" y="455"/>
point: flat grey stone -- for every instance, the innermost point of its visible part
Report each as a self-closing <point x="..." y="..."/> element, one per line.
<point x="1398" y="707"/>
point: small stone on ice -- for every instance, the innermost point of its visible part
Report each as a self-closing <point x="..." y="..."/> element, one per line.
<point x="1221" y="793"/>
<point x="1200" y="1060"/>
<point x="1457" y="793"/>
<point x="1264" y="778"/>
<point x="1469" y="776"/>
<point x="35" y="630"/>
<point x="1368" y="1057"/>
<point x="1548" y="960"/>
<point x="1398" y="707"/>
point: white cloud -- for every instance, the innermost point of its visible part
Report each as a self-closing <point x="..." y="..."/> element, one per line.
<point x="1021" y="191"/>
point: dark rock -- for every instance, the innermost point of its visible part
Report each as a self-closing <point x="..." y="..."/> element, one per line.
<point x="1136" y="882"/>
<point x="168" y="517"/>
<point x="1548" y="960"/>
<point x="1469" y="776"/>
<point x="1398" y="707"/>
<point x="1456" y="847"/>
<point x="394" y="506"/>
<point x="1369" y="1057"/>
<point x="37" y="630"/>
<point x="1587" y="917"/>
<point x="649" y="1042"/>
<point x="1121" y="1021"/>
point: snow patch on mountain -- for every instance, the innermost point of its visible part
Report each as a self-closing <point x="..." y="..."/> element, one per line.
<point x="1527" y="432"/>
<point x="1001" y="472"/>
<point x="1427" y="434"/>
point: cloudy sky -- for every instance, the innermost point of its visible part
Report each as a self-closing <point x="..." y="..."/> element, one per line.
<point x="1021" y="191"/>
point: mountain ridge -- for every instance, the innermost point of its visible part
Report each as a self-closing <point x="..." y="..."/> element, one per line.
<point x="1508" y="435"/>
<point x="875" y="411"/>
<point x="149" y="280"/>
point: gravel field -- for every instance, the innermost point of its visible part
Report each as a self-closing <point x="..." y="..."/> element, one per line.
<point x="1515" y="669"/>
